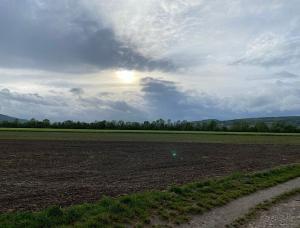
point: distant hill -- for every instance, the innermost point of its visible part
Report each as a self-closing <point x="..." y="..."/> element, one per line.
<point x="290" y="120"/>
<point x="9" y="118"/>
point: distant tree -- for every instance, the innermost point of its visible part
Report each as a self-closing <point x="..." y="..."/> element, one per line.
<point x="46" y="123"/>
<point x="160" y="124"/>
<point x="212" y="125"/>
<point x="261" y="127"/>
<point x="240" y="126"/>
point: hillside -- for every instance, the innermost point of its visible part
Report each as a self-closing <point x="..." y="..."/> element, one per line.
<point x="9" y="118"/>
<point x="290" y="120"/>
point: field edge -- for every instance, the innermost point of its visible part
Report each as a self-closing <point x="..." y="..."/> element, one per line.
<point x="174" y="205"/>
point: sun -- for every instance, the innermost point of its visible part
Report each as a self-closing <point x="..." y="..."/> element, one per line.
<point x="126" y="76"/>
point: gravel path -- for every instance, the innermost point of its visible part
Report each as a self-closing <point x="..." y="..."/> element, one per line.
<point x="222" y="216"/>
<point x="285" y="214"/>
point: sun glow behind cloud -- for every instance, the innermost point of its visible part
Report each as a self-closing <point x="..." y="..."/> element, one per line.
<point x="133" y="60"/>
<point x="126" y="76"/>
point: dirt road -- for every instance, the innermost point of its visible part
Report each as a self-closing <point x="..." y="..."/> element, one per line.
<point x="222" y="216"/>
<point x="285" y="214"/>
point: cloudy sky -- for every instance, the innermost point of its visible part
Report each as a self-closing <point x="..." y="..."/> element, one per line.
<point x="136" y="60"/>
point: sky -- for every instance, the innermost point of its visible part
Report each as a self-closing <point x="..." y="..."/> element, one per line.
<point x="139" y="60"/>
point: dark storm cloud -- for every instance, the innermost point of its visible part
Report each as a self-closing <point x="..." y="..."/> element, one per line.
<point x="166" y="100"/>
<point x="61" y="36"/>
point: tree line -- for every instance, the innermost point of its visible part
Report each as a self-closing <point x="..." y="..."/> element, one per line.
<point x="211" y="125"/>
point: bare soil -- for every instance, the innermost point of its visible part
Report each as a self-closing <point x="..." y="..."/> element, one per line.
<point x="36" y="174"/>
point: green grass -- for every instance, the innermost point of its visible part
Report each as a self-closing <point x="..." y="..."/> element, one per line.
<point x="266" y="205"/>
<point x="155" y="136"/>
<point x="174" y="205"/>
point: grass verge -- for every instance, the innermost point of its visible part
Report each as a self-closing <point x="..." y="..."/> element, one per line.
<point x="266" y="205"/>
<point x="174" y="205"/>
<point x="149" y="136"/>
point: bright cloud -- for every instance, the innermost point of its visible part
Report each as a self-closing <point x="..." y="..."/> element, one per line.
<point x="191" y="59"/>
